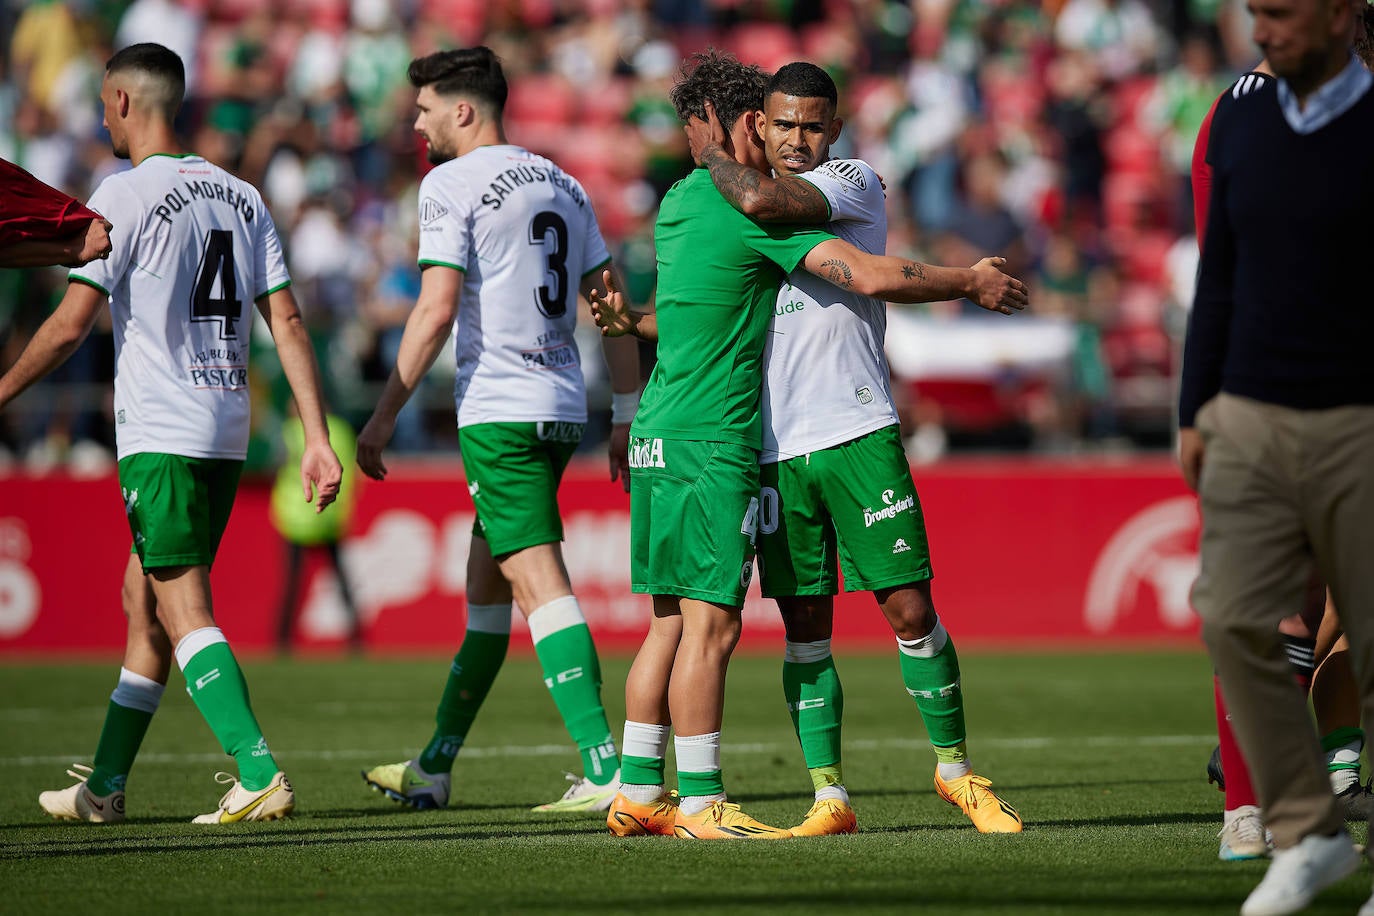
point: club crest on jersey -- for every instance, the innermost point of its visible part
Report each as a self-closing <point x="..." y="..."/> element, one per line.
<point x="430" y="210"/>
<point x="847" y="172"/>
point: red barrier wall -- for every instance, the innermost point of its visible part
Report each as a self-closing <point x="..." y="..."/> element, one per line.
<point x="1023" y="551"/>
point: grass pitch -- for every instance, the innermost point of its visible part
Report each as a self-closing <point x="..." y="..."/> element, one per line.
<point x="1102" y="754"/>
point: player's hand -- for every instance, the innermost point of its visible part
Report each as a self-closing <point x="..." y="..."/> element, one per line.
<point x="619" y="448"/>
<point x="1190" y="453"/>
<point x="95" y="244"/>
<point x="609" y="309"/>
<point x="701" y="134"/>
<point x="371" y="441"/>
<point x="320" y="467"/>
<point x="995" y="290"/>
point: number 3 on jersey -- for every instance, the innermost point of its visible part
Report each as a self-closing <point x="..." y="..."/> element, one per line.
<point x="552" y="302"/>
<point x="212" y="301"/>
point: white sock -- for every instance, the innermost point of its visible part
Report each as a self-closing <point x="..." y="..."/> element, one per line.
<point x="193" y="642"/>
<point x="134" y="691"/>
<point x="836" y="792"/>
<point x="490" y="618"/>
<point x="954" y="770"/>
<point x="698" y="754"/>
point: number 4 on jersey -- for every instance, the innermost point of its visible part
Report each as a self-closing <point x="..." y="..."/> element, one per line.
<point x="217" y="301"/>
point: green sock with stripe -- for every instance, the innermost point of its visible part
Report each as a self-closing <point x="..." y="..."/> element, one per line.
<point x="132" y="704"/>
<point x="217" y="686"/>
<point x="572" y="673"/>
<point x="930" y="671"/>
<point x="470" y="677"/>
<point x="815" y="700"/>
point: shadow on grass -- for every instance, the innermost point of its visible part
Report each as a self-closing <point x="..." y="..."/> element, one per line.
<point x="252" y="837"/>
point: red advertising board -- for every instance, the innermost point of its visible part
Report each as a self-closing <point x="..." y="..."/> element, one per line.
<point x="1024" y="551"/>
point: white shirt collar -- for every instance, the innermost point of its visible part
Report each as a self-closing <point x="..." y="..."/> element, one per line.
<point x="1330" y="100"/>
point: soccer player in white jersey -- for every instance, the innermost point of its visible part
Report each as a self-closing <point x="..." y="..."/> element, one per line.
<point x="834" y="474"/>
<point x="193" y="249"/>
<point x="507" y="242"/>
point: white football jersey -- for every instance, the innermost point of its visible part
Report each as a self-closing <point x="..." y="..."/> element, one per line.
<point x="825" y="374"/>
<point x="523" y="233"/>
<point x="192" y="248"/>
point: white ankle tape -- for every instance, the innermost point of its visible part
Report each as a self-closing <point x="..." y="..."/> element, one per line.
<point x="805" y="652"/>
<point x="134" y="691"/>
<point x="489" y="618"/>
<point x="558" y="614"/>
<point x="927" y="646"/>
<point x="193" y="642"/>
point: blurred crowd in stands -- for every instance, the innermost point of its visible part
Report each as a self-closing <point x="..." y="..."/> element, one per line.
<point x="1056" y="134"/>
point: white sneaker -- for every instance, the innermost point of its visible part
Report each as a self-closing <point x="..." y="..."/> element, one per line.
<point x="1298" y="874"/>
<point x="78" y="803"/>
<point x="583" y="795"/>
<point x="1242" y="835"/>
<point x="240" y="804"/>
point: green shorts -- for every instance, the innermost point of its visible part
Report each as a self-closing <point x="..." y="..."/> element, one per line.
<point x="513" y="471"/>
<point x="856" y="499"/>
<point x="693" y="516"/>
<point x="177" y="507"/>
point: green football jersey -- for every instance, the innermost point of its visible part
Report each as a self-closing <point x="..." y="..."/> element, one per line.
<point x="718" y="278"/>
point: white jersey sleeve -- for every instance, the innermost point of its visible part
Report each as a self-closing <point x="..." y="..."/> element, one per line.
<point x="269" y="265"/>
<point x="825" y="373"/>
<point x="445" y="227"/>
<point x="113" y="196"/>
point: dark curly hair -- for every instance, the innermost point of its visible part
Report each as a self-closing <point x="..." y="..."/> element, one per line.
<point x="732" y="87"/>
<point x="472" y="72"/>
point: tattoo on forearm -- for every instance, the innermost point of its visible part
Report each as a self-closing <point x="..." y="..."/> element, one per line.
<point x="838" y="272"/>
<point x="914" y="271"/>
<point x="784" y="200"/>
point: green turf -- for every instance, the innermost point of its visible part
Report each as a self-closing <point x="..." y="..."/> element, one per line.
<point x="1103" y="755"/>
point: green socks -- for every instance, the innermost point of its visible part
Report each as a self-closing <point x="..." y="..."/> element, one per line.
<point x="815" y="700"/>
<point x="930" y="671"/>
<point x="642" y="764"/>
<point x="470" y="677"/>
<point x="132" y="704"/>
<point x="573" y="675"/>
<point x="216" y="685"/>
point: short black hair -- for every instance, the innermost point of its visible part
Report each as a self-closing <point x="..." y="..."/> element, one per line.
<point x="157" y="61"/>
<point x="804" y="81"/>
<point x="474" y="72"/>
<point x="732" y="87"/>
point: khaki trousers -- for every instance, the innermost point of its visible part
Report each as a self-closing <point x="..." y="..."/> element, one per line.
<point x="1281" y="488"/>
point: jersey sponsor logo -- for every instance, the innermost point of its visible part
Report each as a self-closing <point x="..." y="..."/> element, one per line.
<point x="864" y="395"/>
<point x="847" y="172"/>
<point x="900" y="546"/>
<point x="890" y="510"/>
<point x="646" y="453"/>
<point x="219" y="378"/>
<point x="430" y="210"/>
<point x="556" y="358"/>
<point x="558" y="431"/>
<point x="788" y="307"/>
